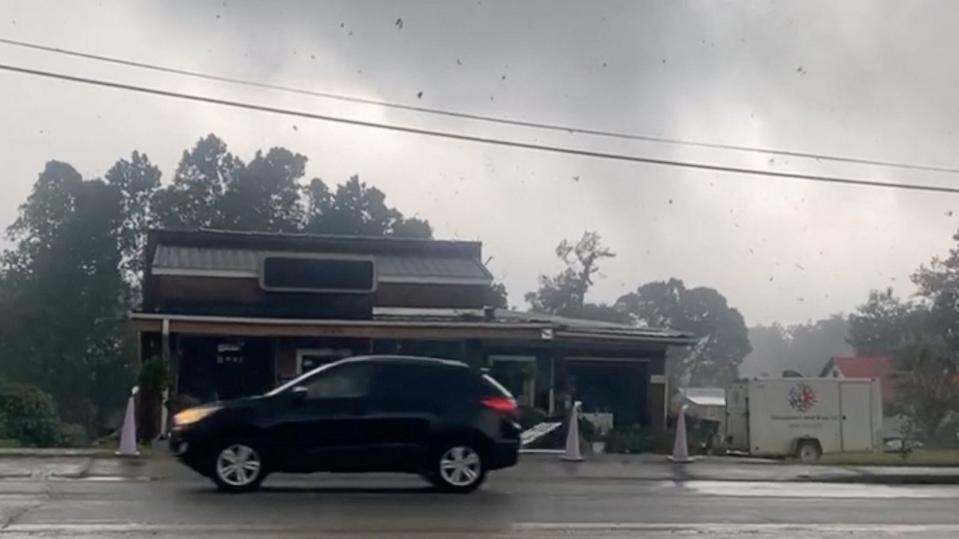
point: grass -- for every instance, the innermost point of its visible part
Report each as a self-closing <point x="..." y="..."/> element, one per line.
<point x="919" y="457"/>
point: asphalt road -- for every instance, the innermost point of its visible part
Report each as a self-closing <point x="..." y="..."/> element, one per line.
<point x="510" y="505"/>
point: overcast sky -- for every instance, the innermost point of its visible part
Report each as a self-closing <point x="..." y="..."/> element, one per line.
<point x="868" y="79"/>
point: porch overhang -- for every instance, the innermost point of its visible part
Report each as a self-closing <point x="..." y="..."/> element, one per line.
<point x="368" y="329"/>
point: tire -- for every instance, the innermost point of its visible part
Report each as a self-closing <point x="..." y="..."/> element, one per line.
<point x="237" y="467"/>
<point x="457" y="467"/>
<point x="808" y="451"/>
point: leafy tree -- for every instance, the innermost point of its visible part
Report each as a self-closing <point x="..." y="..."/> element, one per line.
<point x="928" y="384"/>
<point x="193" y="199"/>
<point x="265" y="194"/>
<point x="497" y="296"/>
<point x="65" y="295"/>
<point x="770" y="346"/>
<point x="802" y="348"/>
<point x="137" y="180"/>
<point x="722" y="343"/>
<point x="358" y="209"/>
<point x="938" y="285"/>
<point x="565" y="292"/>
<point x="884" y="323"/>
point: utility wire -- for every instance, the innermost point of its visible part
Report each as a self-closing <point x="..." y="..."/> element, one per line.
<point x="478" y="139"/>
<point x="477" y="117"/>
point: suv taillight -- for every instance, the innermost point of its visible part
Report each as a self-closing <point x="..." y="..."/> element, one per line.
<point x="502" y="405"/>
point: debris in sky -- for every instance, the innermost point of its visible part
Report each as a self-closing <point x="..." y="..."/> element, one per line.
<point x="295" y="128"/>
<point x="663" y="60"/>
<point x="491" y="98"/>
<point x="341" y="25"/>
<point x="800" y="300"/>
<point x="217" y="15"/>
<point x="458" y="62"/>
<point x="419" y="95"/>
<point x="399" y="23"/>
<point x="752" y="252"/>
<point x="801" y="70"/>
<point x="799" y="267"/>
<point x="949" y="213"/>
<point x="604" y="64"/>
<point x="670" y="201"/>
<point x="575" y="178"/>
<point x="350" y="33"/>
<point x="770" y="279"/>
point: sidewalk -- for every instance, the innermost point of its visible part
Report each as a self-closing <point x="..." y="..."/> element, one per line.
<point x="657" y="468"/>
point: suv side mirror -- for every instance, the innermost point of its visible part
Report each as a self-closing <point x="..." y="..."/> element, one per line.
<point x="299" y="393"/>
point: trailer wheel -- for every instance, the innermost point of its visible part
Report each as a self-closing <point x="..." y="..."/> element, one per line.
<point x="808" y="451"/>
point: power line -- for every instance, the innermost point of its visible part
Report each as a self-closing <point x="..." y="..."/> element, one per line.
<point x="478" y="117"/>
<point x="482" y="140"/>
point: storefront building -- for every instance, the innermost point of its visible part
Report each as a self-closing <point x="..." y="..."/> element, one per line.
<point x="236" y="314"/>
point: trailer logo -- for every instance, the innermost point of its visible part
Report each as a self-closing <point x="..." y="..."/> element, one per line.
<point x="802" y="397"/>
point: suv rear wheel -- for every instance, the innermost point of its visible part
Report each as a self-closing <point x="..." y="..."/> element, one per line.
<point x="457" y="467"/>
<point x="238" y="467"/>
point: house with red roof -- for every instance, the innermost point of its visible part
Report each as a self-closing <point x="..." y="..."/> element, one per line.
<point x="879" y="367"/>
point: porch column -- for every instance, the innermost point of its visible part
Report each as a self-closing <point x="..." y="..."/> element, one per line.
<point x="656" y="394"/>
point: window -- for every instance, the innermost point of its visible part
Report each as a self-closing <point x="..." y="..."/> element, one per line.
<point x="343" y="382"/>
<point x="312" y="274"/>
<point x="308" y="359"/>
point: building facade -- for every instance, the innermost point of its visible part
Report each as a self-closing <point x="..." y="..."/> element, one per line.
<point x="235" y="314"/>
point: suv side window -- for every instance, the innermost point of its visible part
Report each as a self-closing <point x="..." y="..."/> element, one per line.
<point x="344" y="382"/>
<point x="410" y="387"/>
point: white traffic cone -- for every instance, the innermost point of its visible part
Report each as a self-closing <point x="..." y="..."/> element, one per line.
<point x="680" y="448"/>
<point x="128" y="433"/>
<point x="573" y="453"/>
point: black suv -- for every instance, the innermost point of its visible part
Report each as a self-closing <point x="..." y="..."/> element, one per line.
<point x="433" y="417"/>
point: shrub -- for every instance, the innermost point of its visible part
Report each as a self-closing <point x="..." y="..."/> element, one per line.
<point x="629" y="440"/>
<point x="28" y="415"/>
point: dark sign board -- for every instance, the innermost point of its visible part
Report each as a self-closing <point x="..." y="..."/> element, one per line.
<point x="311" y="274"/>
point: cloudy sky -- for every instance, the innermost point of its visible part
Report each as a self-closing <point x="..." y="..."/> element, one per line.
<point x="861" y="78"/>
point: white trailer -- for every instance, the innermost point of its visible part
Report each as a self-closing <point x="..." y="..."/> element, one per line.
<point x="803" y="417"/>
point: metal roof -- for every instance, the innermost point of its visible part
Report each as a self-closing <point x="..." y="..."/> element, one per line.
<point x="174" y="259"/>
<point x="704" y="396"/>
<point x="566" y="326"/>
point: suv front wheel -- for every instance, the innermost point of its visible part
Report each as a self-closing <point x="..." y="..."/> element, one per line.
<point x="238" y="467"/>
<point x="457" y="467"/>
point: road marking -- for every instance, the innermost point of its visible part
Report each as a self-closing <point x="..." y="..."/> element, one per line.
<point x="812" y="490"/>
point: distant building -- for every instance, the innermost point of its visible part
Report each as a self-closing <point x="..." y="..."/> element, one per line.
<point x="879" y="367"/>
<point x="703" y="402"/>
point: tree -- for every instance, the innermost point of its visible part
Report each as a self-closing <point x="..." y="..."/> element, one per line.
<point x="64" y="299"/>
<point x="358" y="209"/>
<point x="497" y="296"/>
<point x="938" y="284"/>
<point x="928" y="386"/>
<point x="884" y="323"/>
<point x="802" y="348"/>
<point x="193" y="199"/>
<point x="137" y="180"/>
<point x="565" y="293"/>
<point x="722" y="342"/>
<point x="265" y="194"/>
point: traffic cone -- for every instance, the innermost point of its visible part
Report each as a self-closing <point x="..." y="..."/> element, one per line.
<point x="128" y="433"/>
<point x="573" y="453"/>
<point x="680" y="448"/>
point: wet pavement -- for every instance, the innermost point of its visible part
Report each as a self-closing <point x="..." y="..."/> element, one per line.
<point x="139" y="498"/>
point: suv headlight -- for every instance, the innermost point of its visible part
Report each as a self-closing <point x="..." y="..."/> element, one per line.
<point x="192" y="415"/>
